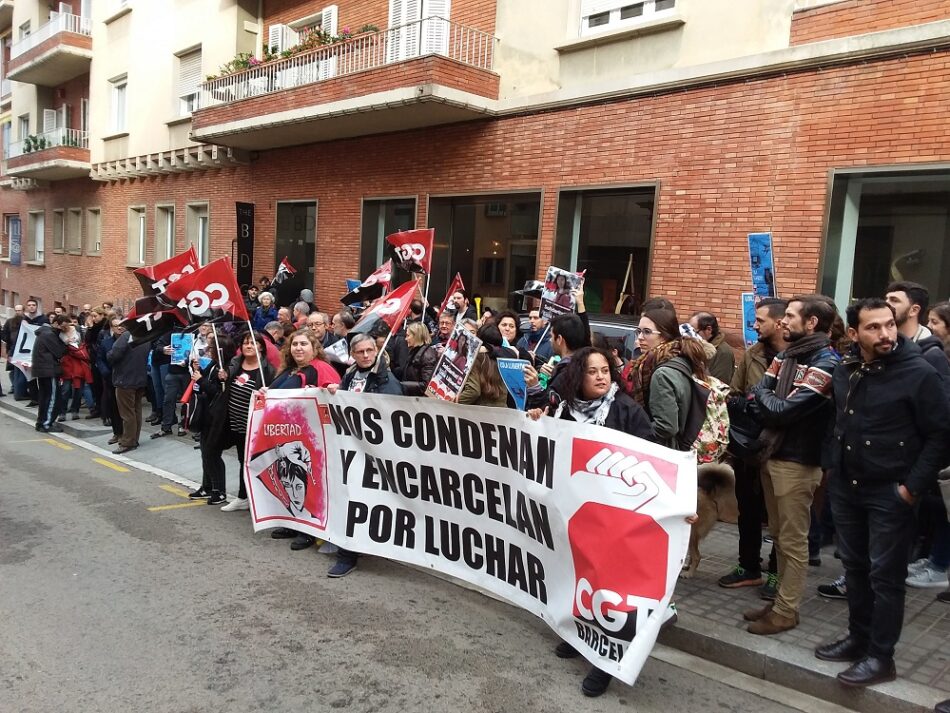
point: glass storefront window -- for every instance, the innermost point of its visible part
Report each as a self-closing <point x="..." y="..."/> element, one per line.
<point x="296" y="240"/>
<point x="884" y="227"/>
<point x="604" y="231"/>
<point x="381" y="218"/>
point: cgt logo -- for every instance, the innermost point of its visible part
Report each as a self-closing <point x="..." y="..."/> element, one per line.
<point x="388" y="307"/>
<point x="200" y="301"/>
<point x="383" y="277"/>
<point x="411" y="252"/>
<point x="160" y="285"/>
<point x="640" y="472"/>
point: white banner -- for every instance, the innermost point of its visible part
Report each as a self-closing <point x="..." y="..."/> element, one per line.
<point x="22" y="356"/>
<point x="581" y="525"/>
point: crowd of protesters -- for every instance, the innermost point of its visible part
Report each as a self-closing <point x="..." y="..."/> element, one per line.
<point x="838" y="425"/>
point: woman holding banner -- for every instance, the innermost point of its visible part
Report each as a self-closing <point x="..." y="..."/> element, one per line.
<point x="303" y="363"/>
<point x="237" y="383"/>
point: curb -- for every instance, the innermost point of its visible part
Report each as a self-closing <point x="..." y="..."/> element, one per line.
<point x="793" y="667"/>
<point x="82" y="428"/>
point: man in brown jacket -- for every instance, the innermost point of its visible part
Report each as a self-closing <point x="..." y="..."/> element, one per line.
<point x="748" y="573"/>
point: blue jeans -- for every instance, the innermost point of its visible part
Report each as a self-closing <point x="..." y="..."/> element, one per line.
<point x="158" y="384"/>
<point x="19" y="384"/>
<point x="875" y="529"/>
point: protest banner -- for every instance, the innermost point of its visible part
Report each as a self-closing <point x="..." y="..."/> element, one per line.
<point x="749" y="335"/>
<point x="454" y="364"/>
<point x="557" y="296"/>
<point x="22" y="356"/>
<point x="761" y="262"/>
<point x="512" y="373"/>
<point x="182" y="344"/>
<point x="581" y="525"/>
<point x="155" y="279"/>
<point x="412" y="249"/>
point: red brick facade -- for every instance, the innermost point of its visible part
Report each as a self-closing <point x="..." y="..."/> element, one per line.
<point x="859" y="17"/>
<point x="354" y="14"/>
<point x="60" y="39"/>
<point x="423" y="70"/>
<point x="56" y="153"/>
<point x="729" y="159"/>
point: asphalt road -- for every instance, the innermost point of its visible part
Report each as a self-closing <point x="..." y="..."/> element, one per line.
<point x="106" y="605"/>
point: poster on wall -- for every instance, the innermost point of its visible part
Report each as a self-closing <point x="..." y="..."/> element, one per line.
<point x="761" y="262"/>
<point x="245" y="243"/>
<point x="749" y="335"/>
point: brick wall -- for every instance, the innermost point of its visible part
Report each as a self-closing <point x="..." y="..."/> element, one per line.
<point x="479" y="14"/>
<point x="423" y="70"/>
<point x="858" y="17"/>
<point x="57" y="153"/>
<point x="72" y="93"/>
<point x="729" y="160"/>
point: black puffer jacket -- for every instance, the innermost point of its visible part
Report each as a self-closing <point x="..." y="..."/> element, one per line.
<point x="802" y="418"/>
<point x="892" y="420"/>
<point x="931" y="348"/>
<point x="419" y="367"/>
<point x="129" y="362"/>
<point x="48" y="349"/>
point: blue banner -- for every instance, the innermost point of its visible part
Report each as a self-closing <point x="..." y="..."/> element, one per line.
<point x="182" y="344"/>
<point x="512" y="373"/>
<point x="763" y="267"/>
<point x="749" y="335"/>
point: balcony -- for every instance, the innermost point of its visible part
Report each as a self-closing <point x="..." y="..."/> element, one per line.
<point x="6" y="14"/>
<point x="424" y="73"/>
<point x="58" y="51"/>
<point x="53" y="156"/>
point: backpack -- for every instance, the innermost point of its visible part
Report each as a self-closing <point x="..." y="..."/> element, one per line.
<point x="707" y="421"/>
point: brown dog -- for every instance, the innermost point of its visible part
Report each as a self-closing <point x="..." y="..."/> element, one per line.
<point x="716" y="502"/>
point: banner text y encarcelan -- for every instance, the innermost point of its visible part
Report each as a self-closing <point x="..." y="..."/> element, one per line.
<point x="581" y="525"/>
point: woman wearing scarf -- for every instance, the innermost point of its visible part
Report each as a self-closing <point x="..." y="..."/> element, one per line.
<point x="661" y="377"/>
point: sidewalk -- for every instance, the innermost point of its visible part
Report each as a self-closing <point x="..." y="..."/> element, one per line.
<point x="710" y="617"/>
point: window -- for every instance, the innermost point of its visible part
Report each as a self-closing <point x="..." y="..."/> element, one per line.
<point x="895" y="226"/>
<point x="93" y="231"/>
<point x="118" y="104"/>
<point x="24" y="31"/>
<point x="381" y="218"/>
<point x="36" y="227"/>
<point x="604" y="231"/>
<point x="137" y="233"/>
<point x="74" y="231"/>
<point x="197" y="231"/>
<point x="23" y="126"/>
<point x="164" y="232"/>
<point x="59" y="231"/>
<point x="420" y="20"/>
<point x="296" y="238"/>
<point x="189" y="81"/>
<point x="6" y="128"/>
<point x="13" y="231"/>
<point x="602" y="15"/>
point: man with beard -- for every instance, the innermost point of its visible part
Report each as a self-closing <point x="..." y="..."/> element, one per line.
<point x="756" y="359"/>
<point x="910" y="301"/>
<point x="793" y="402"/>
<point x="891" y="429"/>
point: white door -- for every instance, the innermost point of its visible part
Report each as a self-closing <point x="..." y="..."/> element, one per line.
<point x="403" y="42"/>
<point x="435" y="28"/>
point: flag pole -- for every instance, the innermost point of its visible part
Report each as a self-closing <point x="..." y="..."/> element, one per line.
<point x="425" y="295"/>
<point x="260" y="364"/>
<point x="217" y="345"/>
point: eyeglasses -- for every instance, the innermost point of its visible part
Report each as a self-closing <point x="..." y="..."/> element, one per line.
<point x="644" y="332"/>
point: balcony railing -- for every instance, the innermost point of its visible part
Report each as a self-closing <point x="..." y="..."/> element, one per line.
<point x="48" y="140"/>
<point x="59" y="22"/>
<point x="433" y="35"/>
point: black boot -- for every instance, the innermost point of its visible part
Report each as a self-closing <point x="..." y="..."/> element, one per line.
<point x="596" y="682"/>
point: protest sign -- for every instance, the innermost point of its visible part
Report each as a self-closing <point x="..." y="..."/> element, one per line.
<point x="454" y="364"/>
<point x="182" y="345"/>
<point x="761" y="262"/>
<point x="22" y="356"/>
<point x="749" y="335"/>
<point x="512" y="373"/>
<point x="339" y="352"/>
<point x="557" y="296"/>
<point x="581" y="525"/>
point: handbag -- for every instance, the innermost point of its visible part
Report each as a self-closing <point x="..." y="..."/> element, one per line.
<point x="745" y="433"/>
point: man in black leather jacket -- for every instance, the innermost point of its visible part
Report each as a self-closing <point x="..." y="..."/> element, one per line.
<point x="890" y="439"/>
<point x="793" y="401"/>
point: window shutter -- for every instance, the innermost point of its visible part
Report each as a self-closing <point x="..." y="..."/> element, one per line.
<point x="404" y="43"/>
<point x="328" y="19"/>
<point x="435" y="32"/>
<point x="281" y="37"/>
<point x="49" y="120"/>
<point x="189" y="73"/>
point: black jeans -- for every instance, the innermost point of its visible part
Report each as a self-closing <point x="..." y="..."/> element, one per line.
<point x="49" y="402"/>
<point x="212" y="464"/>
<point x="875" y="527"/>
<point x="174" y="387"/>
<point x="751" y="510"/>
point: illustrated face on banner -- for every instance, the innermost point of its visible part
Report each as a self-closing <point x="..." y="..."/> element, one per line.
<point x="287" y="455"/>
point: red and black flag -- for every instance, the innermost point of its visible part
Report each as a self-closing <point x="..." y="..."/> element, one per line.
<point x="284" y="272"/>
<point x="208" y="293"/>
<point x="391" y="309"/>
<point x="373" y="287"/>
<point x="155" y="279"/>
<point x="151" y="318"/>
<point x="456" y="286"/>
<point x="412" y="249"/>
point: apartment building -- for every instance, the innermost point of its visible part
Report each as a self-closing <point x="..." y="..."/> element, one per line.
<point x="581" y="133"/>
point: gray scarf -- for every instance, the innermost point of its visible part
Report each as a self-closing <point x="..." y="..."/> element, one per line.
<point x="594" y="411"/>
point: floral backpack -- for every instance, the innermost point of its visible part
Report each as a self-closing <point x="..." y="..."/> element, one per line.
<point x="707" y="423"/>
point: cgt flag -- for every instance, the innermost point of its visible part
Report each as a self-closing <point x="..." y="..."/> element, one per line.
<point x="155" y="279"/>
<point x="284" y="271"/>
<point x="456" y="286"/>
<point x="373" y="287"/>
<point x="412" y="249"/>
<point x="210" y="289"/>
<point x="151" y="318"/>
<point x="391" y="309"/>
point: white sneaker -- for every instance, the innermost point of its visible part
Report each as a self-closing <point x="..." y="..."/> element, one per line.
<point x="236" y="504"/>
<point x="915" y="567"/>
<point x="927" y="577"/>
